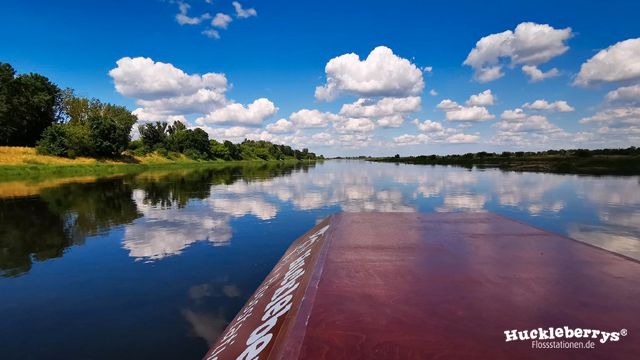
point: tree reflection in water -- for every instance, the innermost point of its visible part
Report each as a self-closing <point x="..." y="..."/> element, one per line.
<point x="37" y="228"/>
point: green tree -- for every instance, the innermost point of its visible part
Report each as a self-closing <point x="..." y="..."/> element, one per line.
<point x="30" y="103"/>
<point x="91" y="128"/>
<point x="153" y="135"/>
<point x="218" y="150"/>
<point x="109" y="139"/>
<point x="233" y="150"/>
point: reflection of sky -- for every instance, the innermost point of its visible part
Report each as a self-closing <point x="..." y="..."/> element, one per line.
<point x="164" y="231"/>
<point x="604" y="211"/>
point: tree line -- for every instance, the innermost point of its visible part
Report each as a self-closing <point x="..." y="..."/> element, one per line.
<point x="36" y="112"/>
<point x="624" y="161"/>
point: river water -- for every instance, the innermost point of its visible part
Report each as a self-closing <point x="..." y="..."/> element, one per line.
<point x="154" y="265"/>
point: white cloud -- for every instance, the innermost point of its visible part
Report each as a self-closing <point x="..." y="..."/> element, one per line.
<point x="243" y="13"/>
<point x="407" y="139"/>
<point x="305" y="118"/>
<point x="211" y="33"/>
<point x="280" y="126"/>
<point x="625" y="94"/>
<point x="428" y="126"/>
<point x="459" y="138"/>
<point x="382" y="73"/>
<point x="434" y="132"/>
<point x="183" y="19"/>
<point x="560" y="105"/>
<point x="484" y="98"/>
<point x="517" y="127"/>
<point x="384" y="107"/>
<point x="529" y="44"/>
<point x="202" y="101"/>
<point x="392" y="121"/>
<point x="253" y="114"/>
<point x="321" y="137"/>
<point x="233" y="134"/>
<point x="455" y="112"/>
<point x="615" y="117"/>
<point x="433" y="92"/>
<point x="515" y="114"/>
<point x="221" y="21"/>
<point x="349" y="125"/>
<point x="146" y="79"/>
<point x="144" y="115"/>
<point x="536" y="74"/>
<point x="462" y="139"/>
<point x="618" y="62"/>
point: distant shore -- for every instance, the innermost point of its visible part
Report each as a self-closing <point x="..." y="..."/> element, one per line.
<point x="23" y="163"/>
<point x="595" y="162"/>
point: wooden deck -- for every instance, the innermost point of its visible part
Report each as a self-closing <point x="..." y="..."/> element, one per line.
<point x="436" y="286"/>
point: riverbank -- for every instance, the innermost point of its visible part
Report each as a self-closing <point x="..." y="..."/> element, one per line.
<point x="24" y="163"/>
<point x="562" y="164"/>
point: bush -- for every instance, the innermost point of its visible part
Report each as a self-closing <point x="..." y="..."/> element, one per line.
<point x="194" y="154"/>
<point x="54" y="141"/>
<point x="162" y="152"/>
<point x="108" y="138"/>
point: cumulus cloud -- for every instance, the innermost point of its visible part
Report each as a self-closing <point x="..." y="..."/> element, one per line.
<point x="560" y="105"/>
<point x="518" y="127"/>
<point x="462" y="139"/>
<point x="383" y="107"/>
<point x="382" y="73"/>
<point x="166" y="93"/>
<point x="221" y="21"/>
<point x="243" y="13"/>
<point x="144" y="115"/>
<point x="183" y="19"/>
<point x="211" y="33"/>
<point x="433" y="92"/>
<point x="411" y="139"/>
<point x="408" y="139"/>
<point x="456" y="112"/>
<point x="252" y="115"/>
<point x="202" y="101"/>
<point x="349" y="125"/>
<point x="515" y="114"/>
<point x="625" y="94"/>
<point x="530" y="44"/>
<point x="305" y="118"/>
<point x="536" y="74"/>
<point x="146" y="79"/>
<point x="617" y="125"/>
<point x="392" y="121"/>
<point x="618" y="62"/>
<point x="321" y="136"/>
<point x="281" y="126"/>
<point x="484" y="98"/>
<point x="434" y="132"/>
<point x="428" y="126"/>
<point x="615" y="117"/>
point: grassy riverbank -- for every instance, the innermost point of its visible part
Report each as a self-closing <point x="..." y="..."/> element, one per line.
<point x="24" y="163"/>
<point x="592" y="162"/>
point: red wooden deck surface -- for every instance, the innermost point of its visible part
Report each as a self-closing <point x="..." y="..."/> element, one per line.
<point x="447" y="286"/>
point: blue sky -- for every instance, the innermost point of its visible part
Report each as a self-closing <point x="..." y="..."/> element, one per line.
<point x="278" y="53"/>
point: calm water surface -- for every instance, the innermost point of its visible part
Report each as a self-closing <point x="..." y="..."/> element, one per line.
<point x="155" y="265"/>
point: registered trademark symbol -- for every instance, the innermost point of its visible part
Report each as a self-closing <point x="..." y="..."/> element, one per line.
<point x="623" y="332"/>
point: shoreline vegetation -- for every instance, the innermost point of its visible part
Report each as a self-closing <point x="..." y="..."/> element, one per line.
<point x="24" y="163"/>
<point x="45" y="130"/>
<point x="578" y="161"/>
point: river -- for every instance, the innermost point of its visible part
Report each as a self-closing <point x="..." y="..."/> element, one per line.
<point x="155" y="264"/>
